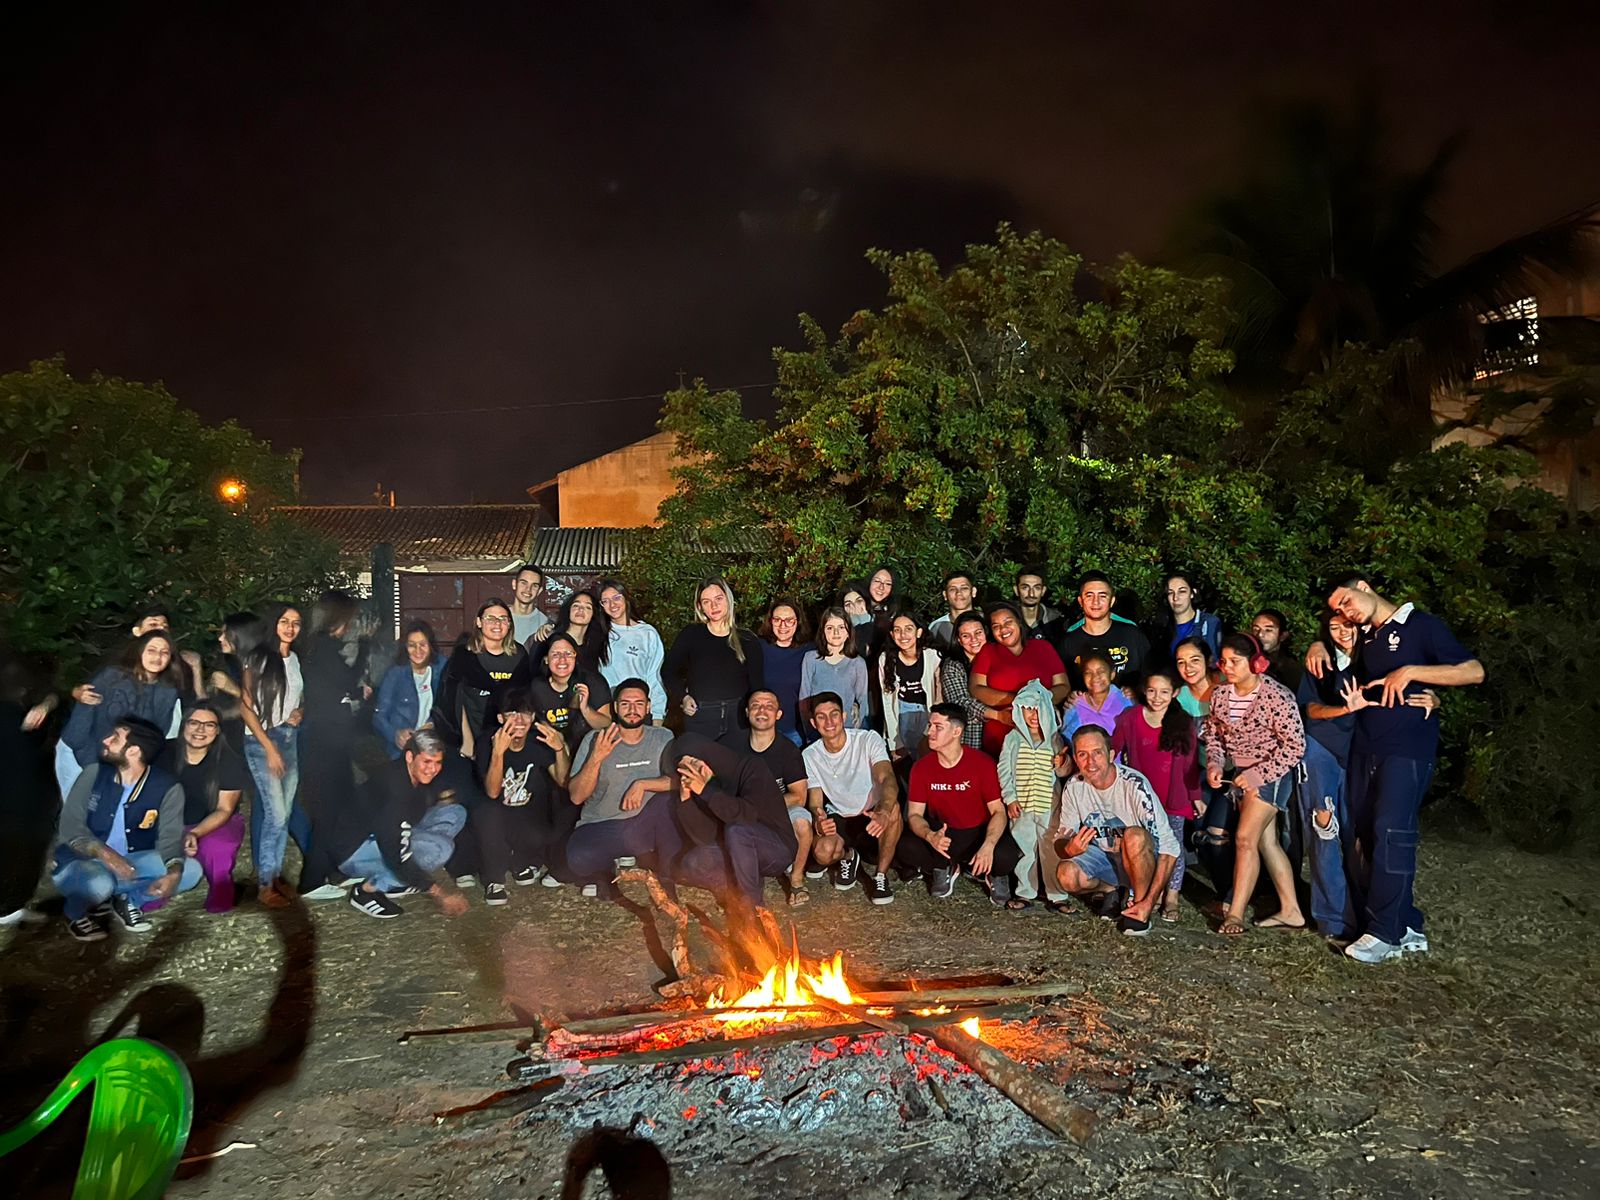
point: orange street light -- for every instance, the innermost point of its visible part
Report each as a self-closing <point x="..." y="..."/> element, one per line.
<point x="231" y="490"/>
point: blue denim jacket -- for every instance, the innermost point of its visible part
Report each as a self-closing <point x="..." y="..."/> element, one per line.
<point x="397" y="703"/>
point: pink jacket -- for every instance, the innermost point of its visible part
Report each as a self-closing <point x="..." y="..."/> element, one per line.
<point x="1269" y="741"/>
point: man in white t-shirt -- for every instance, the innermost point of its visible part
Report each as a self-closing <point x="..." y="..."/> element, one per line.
<point x="1114" y="834"/>
<point x="854" y="799"/>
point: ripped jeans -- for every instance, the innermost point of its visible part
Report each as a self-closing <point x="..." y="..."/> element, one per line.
<point x="1384" y="796"/>
<point x="1319" y="809"/>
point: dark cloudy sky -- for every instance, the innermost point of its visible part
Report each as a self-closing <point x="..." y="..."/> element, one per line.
<point x="296" y="214"/>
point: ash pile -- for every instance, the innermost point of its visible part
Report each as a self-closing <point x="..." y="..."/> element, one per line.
<point x="870" y="1094"/>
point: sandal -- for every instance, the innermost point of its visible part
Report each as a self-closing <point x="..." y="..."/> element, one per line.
<point x="1273" y="922"/>
<point x="799" y="897"/>
<point x="1232" y="927"/>
<point x="1017" y="904"/>
<point x="1169" y="912"/>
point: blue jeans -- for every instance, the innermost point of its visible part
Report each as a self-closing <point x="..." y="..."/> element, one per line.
<point x="86" y="882"/>
<point x="654" y="830"/>
<point x="745" y="855"/>
<point x="1320" y="790"/>
<point x="432" y="842"/>
<point x="274" y="800"/>
<point x="1384" y="797"/>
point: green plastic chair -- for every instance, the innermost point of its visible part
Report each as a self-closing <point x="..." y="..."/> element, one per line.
<point x="138" y="1121"/>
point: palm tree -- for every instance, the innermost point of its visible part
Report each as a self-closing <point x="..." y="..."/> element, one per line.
<point x="1325" y="242"/>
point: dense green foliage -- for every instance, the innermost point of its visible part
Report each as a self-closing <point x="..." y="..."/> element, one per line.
<point x="1022" y="408"/>
<point x="108" y="500"/>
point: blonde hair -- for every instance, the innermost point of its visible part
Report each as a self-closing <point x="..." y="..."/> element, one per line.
<point x="716" y="581"/>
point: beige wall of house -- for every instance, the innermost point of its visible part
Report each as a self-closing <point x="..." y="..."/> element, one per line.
<point x="620" y="490"/>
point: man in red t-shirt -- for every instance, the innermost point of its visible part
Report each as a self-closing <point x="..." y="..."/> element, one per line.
<point x="957" y="815"/>
<point x="1005" y="664"/>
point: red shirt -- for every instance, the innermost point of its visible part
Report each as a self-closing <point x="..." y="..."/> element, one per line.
<point x="957" y="796"/>
<point x="1174" y="777"/>
<point x="1007" y="672"/>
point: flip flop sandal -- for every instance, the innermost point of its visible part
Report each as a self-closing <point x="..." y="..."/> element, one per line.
<point x="1277" y="926"/>
<point x="799" y="898"/>
<point x="1232" y="927"/>
<point x="1017" y="904"/>
<point x="1169" y="915"/>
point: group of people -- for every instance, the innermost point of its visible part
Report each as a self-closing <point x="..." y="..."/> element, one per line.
<point x="1063" y="761"/>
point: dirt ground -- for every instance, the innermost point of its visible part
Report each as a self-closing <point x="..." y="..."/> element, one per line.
<point x="1468" y="1072"/>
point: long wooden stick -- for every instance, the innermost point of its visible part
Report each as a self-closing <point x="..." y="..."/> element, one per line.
<point x="1040" y="1100"/>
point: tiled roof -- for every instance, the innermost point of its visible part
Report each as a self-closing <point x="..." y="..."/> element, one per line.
<point x="422" y="533"/>
<point x="589" y="548"/>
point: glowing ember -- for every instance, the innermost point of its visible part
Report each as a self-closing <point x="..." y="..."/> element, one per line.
<point x="788" y="985"/>
<point x="970" y="1027"/>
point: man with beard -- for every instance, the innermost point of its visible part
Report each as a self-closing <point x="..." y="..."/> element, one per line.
<point x="622" y="784"/>
<point x="121" y="836"/>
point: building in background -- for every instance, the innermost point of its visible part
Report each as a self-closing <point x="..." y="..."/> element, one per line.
<point x="618" y="490"/>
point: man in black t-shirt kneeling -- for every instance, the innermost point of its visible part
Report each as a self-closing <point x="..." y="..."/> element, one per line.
<point x="782" y="757"/>
<point x="523" y="770"/>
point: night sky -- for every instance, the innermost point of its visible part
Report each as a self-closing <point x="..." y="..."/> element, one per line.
<point x="321" y="218"/>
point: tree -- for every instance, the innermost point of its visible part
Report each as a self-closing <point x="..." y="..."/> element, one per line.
<point x="109" y="499"/>
<point x="1021" y="407"/>
<point x="1326" y="242"/>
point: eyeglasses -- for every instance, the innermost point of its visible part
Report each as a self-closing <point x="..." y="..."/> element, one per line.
<point x="561" y="654"/>
<point x="201" y="726"/>
<point x="497" y="620"/>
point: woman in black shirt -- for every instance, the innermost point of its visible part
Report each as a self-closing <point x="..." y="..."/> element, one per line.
<point x="713" y="664"/>
<point x="477" y="675"/>
<point x="567" y="697"/>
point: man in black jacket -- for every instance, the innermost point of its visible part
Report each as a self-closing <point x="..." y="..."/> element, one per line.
<point x="731" y="808"/>
<point x="402" y="833"/>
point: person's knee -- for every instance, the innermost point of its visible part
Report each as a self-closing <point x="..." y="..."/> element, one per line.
<point x="1136" y="841"/>
<point x="1072" y="879"/>
<point x="828" y="850"/>
<point x="802" y="834"/>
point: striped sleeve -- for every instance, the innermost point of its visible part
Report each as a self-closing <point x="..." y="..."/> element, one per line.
<point x="1150" y="813"/>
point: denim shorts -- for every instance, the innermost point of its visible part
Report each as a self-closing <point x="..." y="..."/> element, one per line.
<point x="1279" y="792"/>
<point x="1097" y="864"/>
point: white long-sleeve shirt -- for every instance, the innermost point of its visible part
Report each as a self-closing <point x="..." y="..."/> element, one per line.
<point x="1130" y="801"/>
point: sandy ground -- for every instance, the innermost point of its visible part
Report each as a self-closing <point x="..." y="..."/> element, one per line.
<point x="1469" y="1072"/>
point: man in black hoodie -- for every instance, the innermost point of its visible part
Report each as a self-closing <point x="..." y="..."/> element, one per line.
<point x="732" y="810"/>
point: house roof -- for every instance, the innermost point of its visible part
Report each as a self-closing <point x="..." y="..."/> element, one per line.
<point x="591" y="548"/>
<point x="426" y="533"/>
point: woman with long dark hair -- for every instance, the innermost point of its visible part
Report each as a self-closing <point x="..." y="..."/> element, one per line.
<point x="785" y="638"/>
<point x="637" y="651"/>
<point x="240" y="634"/>
<point x="407" y="691"/>
<point x="1159" y="740"/>
<point x="274" y="694"/>
<point x="908" y="686"/>
<point x="835" y="665"/>
<point x="969" y="635"/>
<point x="143" y="681"/>
<point x="583" y="620"/>
<point x="713" y="664"/>
<point x="214" y="780"/>
<point x="1254" y="730"/>
<point x="483" y="667"/>
<point x="567" y="696"/>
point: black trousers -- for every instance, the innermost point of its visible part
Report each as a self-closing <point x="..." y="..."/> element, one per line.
<point x="499" y="839"/>
<point x="917" y="854"/>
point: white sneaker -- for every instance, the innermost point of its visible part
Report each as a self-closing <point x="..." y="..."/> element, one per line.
<point x="627" y="860"/>
<point x="1414" y="942"/>
<point x="548" y="880"/>
<point x="23" y="916"/>
<point x="466" y="881"/>
<point x="1370" y="949"/>
<point x="328" y="891"/>
<point x="591" y="891"/>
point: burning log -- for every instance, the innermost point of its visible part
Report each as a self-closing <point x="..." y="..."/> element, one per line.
<point x="1017" y="991"/>
<point x="690" y="982"/>
<point x="1027" y="1091"/>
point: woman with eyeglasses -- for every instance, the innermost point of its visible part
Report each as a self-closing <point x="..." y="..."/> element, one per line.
<point x="213" y="779"/>
<point x="637" y="651"/>
<point x="785" y="641"/>
<point x="568" y="697"/>
<point x="479" y="672"/>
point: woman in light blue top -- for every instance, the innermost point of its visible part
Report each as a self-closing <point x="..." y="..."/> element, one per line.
<point x="408" y="689"/>
<point x="636" y="649"/>
<point x="836" y="666"/>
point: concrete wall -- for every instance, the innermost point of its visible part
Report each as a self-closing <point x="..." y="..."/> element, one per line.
<point x="620" y="490"/>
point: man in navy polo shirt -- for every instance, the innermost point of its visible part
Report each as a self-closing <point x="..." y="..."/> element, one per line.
<point x="1400" y="651"/>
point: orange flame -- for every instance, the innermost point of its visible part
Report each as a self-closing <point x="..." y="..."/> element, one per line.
<point x="787" y="985"/>
<point x="970" y="1027"/>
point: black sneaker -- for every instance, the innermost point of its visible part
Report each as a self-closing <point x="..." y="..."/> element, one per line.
<point x="86" y="929"/>
<point x="815" y="870"/>
<point x="1109" y="906"/>
<point x="527" y="877"/>
<point x="845" y="871"/>
<point x="495" y="895"/>
<point x="942" y="884"/>
<point x="100" y="914"/>
<point x="133" y="920"/>
<point x="374" y="904"/>
<point x="878" y="889"/>
<point x="1133" y="927"/>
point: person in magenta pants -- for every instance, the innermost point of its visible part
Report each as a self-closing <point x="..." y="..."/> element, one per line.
<point x="213" y="779"/>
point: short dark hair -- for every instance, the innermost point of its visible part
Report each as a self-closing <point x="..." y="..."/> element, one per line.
<point x="951" y="576"/>
<point x="1089" y="577"/>
<point x="1092" y="730"/>
<point x="517" y="574"/>
<point x="1348" y="579"/>
<point x="632" y="683"/>
<point x="1276" y="617"/>
<point x="822" y="698"/>
<point x="1030" y="569"/>
<point x="518" y="700"/>
<point x="953" y="713"/>
<point x="151" y="608"/>
<point x="146" y="735"/>
<point x="762" y="691"/>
